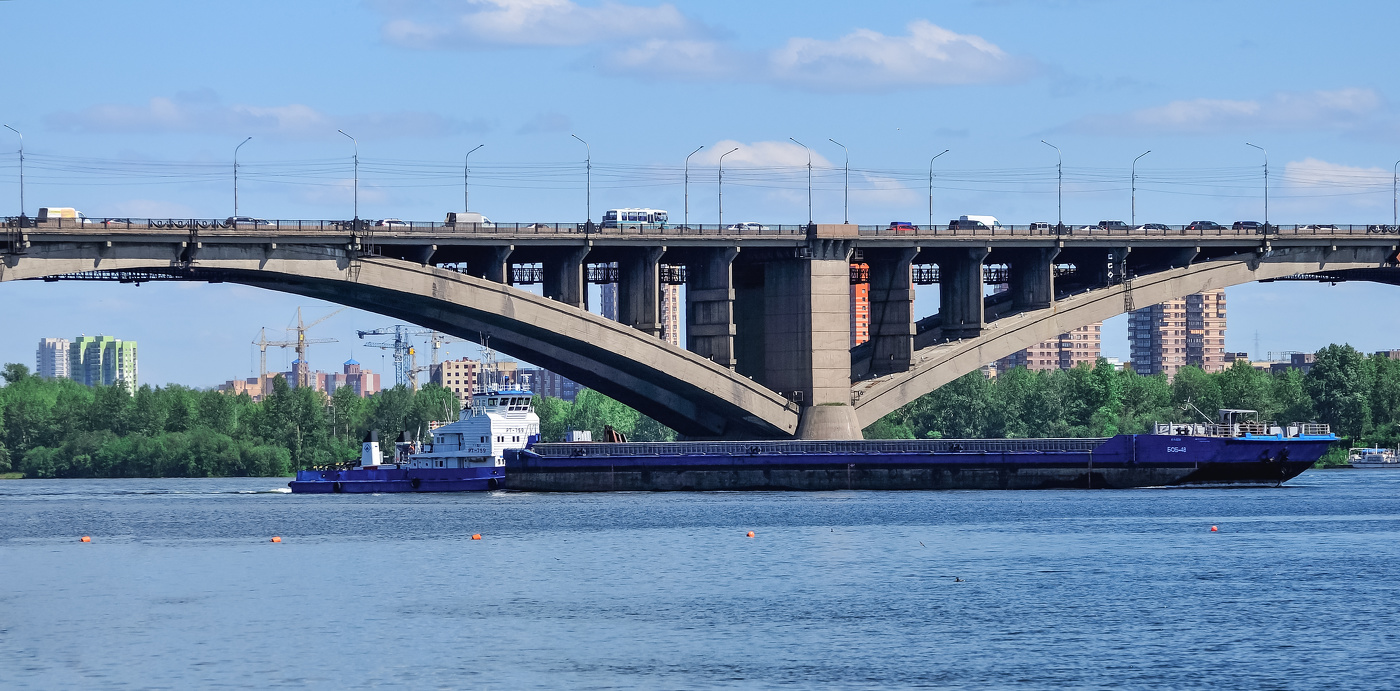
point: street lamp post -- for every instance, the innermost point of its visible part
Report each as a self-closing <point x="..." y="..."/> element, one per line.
<point x="846" y="197"/>
<point x="687" y="185"/>
<point x="930" y="187"/>
<point x="1266" y="184"/>
<point x="357" y="177"/>
<point x="1133" y="218"/>
<point x="467" y="179"/>
<point x="721" y="185"/>
<point x="1059" y="187"/>
<point x="588" y="180"/>
<point x="21" y="170"/>
<point x="235" y="179"/>
<point x="809" y="179"/>
<point x="1394" y="197"/>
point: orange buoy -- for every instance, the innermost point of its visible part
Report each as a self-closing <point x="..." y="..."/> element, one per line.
<point x="1214" y="529"/>
<point x="476" y="536"/>
<point x="276" y="539"/>
<point x="85" y="539"/>
<point x="750" y="533"/>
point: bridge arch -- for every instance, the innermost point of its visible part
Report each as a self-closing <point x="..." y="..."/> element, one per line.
<point x="680" y="389"/>
<point x="940" y="364"/>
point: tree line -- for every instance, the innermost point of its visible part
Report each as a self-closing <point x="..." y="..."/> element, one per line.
<point x="59" y="428"/>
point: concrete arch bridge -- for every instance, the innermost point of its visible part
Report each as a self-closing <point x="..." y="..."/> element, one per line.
<point x="767" y="352"/>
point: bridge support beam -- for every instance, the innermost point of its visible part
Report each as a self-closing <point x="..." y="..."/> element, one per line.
<point x="1032" y="277"/>
<point x="960" y="290"/>
<point x="709" y="309"/>
<point x="891" y="309"/>
<point x="494" y="266"/>
<point x="639" y="290"/>
<point x="564" y="277"/>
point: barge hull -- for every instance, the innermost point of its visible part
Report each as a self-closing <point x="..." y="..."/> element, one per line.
<point x="1122" y="462"/>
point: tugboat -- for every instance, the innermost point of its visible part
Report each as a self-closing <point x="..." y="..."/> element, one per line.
<point x="1372" y="458"/>
<point x="464" y="456"/>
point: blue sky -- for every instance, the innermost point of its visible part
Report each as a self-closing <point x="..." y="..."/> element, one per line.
<point x="134" y="109"/>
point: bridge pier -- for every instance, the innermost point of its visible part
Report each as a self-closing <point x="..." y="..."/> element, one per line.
<point x="891" y="309"/>
<point x="564" y="276"/>
<point x="639" y="289"/>
<point x="960" y="291"/>
<point x="709" y="309"/>
<point x="1032" y="277"/>
<point x="493" y="265"/>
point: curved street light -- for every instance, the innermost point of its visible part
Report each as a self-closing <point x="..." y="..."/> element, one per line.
<point x="721" y="185"/>
<point x="930" y="187"/>
<point x="588" y="180"/>
<point x="1059" y="187"/>
<point x="357" y="177"/>
<point x="687" y="185"/>
<point x="21" y="169"/>
<point x="1133" y="218"/>
<point x="846" y="197"/>
<point x="235" y="179"/>
<point x="809" y="179"/>
<point x="467" y="179"/>
<point x="1394" y="197"/>
<point x="1266" y="184"/>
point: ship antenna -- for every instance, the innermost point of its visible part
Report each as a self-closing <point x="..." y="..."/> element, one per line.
<point x="1198" y="412"/>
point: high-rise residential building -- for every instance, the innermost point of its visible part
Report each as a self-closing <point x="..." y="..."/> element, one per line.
<point x="1080" y="346"/>
<point x="457" y="376"/>
<point x="860" y="311"/>
<point x="546" y="383"/>
<point x="51" y="360"/>
<point x="608" y="300"/>
<point x="102" y="361"/>
<point x="1187" y="331"/>
<point x="671" y="314"/>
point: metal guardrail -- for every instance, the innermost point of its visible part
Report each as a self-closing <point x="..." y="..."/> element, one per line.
<point x="698" y="230"/>
<point x="841" y="448"/>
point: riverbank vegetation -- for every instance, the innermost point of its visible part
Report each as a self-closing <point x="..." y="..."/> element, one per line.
<point x="63" y="429"/>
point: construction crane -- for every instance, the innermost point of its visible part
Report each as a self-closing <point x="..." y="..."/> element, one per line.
<point x="303" y="373"/>
<point x="405" y="357"/>
<point x="438" y="340"/>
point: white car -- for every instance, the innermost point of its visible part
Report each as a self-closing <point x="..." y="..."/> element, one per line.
<point x="390" y="222"/>
<point x="747" y="226"/>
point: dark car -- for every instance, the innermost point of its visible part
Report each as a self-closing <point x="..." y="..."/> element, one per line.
<point x="1114" y="225"/>
<point x="244" y="221"/>
<point x="1247" y="225"/>
<point x="1204" y="225"/>
<point x="956" y="224"/>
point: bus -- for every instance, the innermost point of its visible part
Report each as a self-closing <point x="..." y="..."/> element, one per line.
<point x="635" y="219"/>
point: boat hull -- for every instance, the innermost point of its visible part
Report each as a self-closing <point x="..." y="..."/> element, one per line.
<point x="384" y="480"/>
<point x="1121" y="462"/>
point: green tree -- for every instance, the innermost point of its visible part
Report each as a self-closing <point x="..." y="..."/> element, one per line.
<point x="554" y="417"/>
<point x="1340" y="387"/>
<point x="1195" y="394"/>
<point x="1243" y="387"/>
<point x="14" y="373"/>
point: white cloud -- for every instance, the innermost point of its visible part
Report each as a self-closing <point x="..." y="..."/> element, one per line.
<point x="1311" y="177"/>
<point x="546" y="123"/>
<point x="683" y="59"/>
<point x="202" y="113"/>
<point x="866" y="60"/>
<point x="1283" y="111"/>
<point x="772" y="154"/>
<point x="538" y="23"/>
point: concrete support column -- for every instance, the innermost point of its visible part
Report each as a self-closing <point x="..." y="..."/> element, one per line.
<point x="960" y="290"/>
<point x="807" y="343"/>
<point x="709" y="308"/>
<point x="1033" y="277"/>
<point x="564" y="276"/>
<point x="495" y="267"/>
<point x="639" y="290"/>
<point x="1106" y="267"/>
<point x="891" y="310"/>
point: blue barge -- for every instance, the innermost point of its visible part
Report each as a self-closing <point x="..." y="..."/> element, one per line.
<point x="1231" y="453"/>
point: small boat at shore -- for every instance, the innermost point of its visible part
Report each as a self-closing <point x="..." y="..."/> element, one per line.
<point x="1370" y="457"/>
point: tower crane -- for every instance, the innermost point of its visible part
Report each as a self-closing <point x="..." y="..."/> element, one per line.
<point x="300" y="344"/>
<point x="405" y="357"/>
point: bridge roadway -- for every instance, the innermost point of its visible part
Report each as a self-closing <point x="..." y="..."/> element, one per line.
<point x="767" y="353"/>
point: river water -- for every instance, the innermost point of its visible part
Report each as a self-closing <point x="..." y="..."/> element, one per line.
<point x="181" y="588"/>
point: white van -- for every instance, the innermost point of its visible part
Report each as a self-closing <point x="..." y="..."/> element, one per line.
<point x="989" y="221"/>
<point x="468" y="218"/>
<point x="60" y="213"/>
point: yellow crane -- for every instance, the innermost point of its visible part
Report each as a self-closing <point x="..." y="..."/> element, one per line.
<point x="302" y="373"/>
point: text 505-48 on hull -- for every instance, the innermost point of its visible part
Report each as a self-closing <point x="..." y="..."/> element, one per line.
<point x="464" y="456"/>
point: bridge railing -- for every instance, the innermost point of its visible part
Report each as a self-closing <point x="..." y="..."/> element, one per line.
<point x="410" y="228"/>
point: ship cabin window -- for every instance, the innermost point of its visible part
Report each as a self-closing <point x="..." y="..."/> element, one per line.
<point x="515" y="438"/>
<point x="501" y="438"/>
<point x="483" y="440"/>
<point x="491" y="402"/>
<point x="439" y="464"/>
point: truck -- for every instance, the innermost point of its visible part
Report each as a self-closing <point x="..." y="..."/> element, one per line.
<point x="468" y="218"/>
